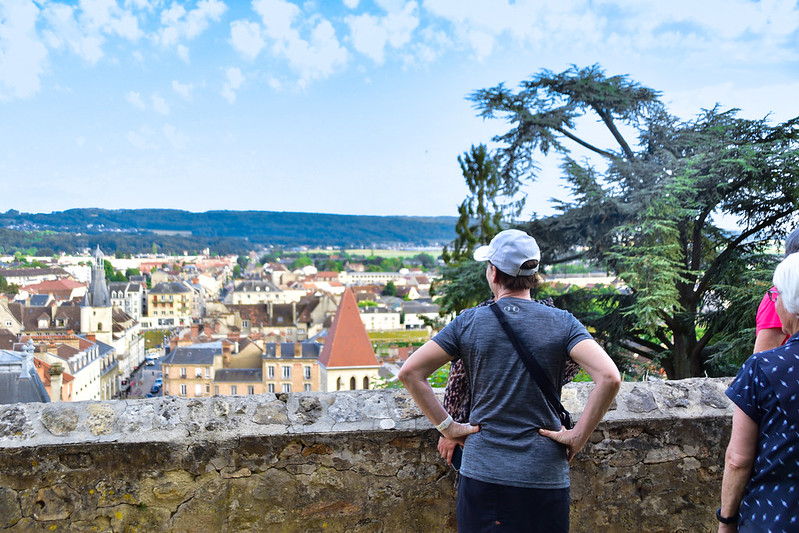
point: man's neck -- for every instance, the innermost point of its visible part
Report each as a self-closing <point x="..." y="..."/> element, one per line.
<point x="524" y="294"/>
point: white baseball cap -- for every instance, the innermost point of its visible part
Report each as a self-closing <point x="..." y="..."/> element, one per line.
<point x="509" y="250"/>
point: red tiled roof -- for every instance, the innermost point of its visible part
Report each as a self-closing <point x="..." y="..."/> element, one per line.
<point x="50" y="287"/>
<point x="347" y="343"/>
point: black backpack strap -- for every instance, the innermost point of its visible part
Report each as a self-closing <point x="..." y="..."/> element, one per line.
<point x="535" y="370"/>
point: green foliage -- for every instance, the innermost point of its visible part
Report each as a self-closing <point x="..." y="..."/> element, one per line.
<point x="301" y="262"/>
<point x="426" y="260"/>
<point x="462" y="285"/>
<point x="132" y="272"/>
<point x="389" y="290"/>
<point x="6" y="287"/>
<point x="437" y="379"/>
<point x="224" y="232"/>
<point x="650" y="211"/>
<point x="109" y="269"/>
<point x="481" y="216"/>
<point x="367" y="303"/>
<point x="237" y="271"/>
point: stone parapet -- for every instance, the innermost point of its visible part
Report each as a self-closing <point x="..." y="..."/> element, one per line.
<point x="343" y="461"/>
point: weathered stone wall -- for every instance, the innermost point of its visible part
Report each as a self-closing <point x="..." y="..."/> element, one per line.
<point x="345" y="461"/>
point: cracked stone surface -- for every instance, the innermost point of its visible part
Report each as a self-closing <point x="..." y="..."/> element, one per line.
<point x="349" y="461"/>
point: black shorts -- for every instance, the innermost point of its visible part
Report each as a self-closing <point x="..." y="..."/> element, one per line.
<point x="483" y="507"/>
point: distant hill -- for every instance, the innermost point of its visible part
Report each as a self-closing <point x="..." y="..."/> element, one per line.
<point x="136" y="230"/>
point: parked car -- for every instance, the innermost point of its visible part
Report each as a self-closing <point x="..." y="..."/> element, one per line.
<point x="149" y="362"/>
<point x="159" y="381"/>
<point x="156" y="389"/>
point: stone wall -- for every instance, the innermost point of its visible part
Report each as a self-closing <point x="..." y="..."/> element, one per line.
<point x="344" y="461"/>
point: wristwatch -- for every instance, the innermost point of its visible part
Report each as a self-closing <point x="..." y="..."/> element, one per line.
<point x="726" y="519"/>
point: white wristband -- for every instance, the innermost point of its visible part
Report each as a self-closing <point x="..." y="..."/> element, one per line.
<point x="445" y="424"/>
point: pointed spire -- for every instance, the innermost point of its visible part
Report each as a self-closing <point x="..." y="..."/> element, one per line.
<point x="347" y="343"/>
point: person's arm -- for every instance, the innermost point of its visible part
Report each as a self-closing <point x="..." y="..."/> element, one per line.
<point x="768" y="339"/>
<point x="738" y="463"/>
<point x="414" y="374"/>
<point x="603" y="372"/>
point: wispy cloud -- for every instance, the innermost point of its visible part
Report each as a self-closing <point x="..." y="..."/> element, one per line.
<point x="371" y="34"/>
<point x="22" y="54"/>
<point x="234" y="80"/>
<point x="246" y="37"/>
<point x="135" y="100"/>
<point x="179" y="24"/>
<point x="159" y="104"/>
<point x="316" y="56"/>
<point x="183" y="89"/>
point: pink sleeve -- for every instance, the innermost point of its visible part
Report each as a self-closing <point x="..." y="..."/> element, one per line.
<point x="767" y="315"/>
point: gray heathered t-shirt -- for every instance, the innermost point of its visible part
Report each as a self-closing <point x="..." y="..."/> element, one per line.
<point x="506" y="402"/>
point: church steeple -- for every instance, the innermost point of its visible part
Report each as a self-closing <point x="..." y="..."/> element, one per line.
<point x="98" y="295"/>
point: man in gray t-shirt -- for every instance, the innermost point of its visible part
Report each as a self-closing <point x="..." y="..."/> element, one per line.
<point x="514" y="474"/>
<point x="507" y="404"/>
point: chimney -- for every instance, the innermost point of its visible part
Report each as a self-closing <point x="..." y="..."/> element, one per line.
<point x="55" y="372"/>
<point x="195" y="331"/>
<point x="91" y="337"/>
<point x="297" y="349"/>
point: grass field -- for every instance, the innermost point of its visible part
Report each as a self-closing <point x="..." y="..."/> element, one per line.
<point x="368" y="252"/>
<point x="410" y="335"/>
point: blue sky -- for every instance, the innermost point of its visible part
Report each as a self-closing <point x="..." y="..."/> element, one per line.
<point x="338" y="106"/>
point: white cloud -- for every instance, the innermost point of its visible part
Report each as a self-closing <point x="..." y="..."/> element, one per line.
<point x="313" y="58"/>
<point x="22" y="54"/>
<point x="183" y="89"/>
<point x="352" y="4"/>
<point x="159" y="104"/>
<point x="135" y="100"/>
<point x="142" y="139"/>
<point x="177" y="24"/>
<point x="83" y="29"/>
<point x="371" y="34"/>
<point x="234" y="81"/>
<point x="64" y="31"/>
<point x="245" y="36"/>
<point x="107" y="17"/>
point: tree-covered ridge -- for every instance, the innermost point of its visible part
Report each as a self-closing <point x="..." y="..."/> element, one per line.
<point x="132" y="230"/>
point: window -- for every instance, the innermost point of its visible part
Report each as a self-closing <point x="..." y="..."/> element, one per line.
<point x="207" y="373"/>
<point x="183" y="372"/>
<point x="338" y="384"/>
<point x="216" y="390"/>
<point x="234" y="389"/>
<point x="286" y="372"/>
<point x="271" y="387"/>
<point x="300" y="331"/>
<point x="352" y="383"/>
<point x="183" y="390"/>
<point x="365" y="383"/>
<point x="307" y="387"/>
<point x="208" y="388"/>
<point x="198" y="372"/>
<point x="270" y="371"/>
<point x="8" y="323"/>
<point x="287" y="387"/>
<point x="307" y="370"/>
<point x="198" y="389"/>
<point x="250" y="389"/>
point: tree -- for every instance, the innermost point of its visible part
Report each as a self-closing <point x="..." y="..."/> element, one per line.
<point x="390" y="289"/>
<point x="481" y="216"/>
<point x="425" y="259"/>
<point x="6" y="287"/>
<point x="649" y="209"/>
